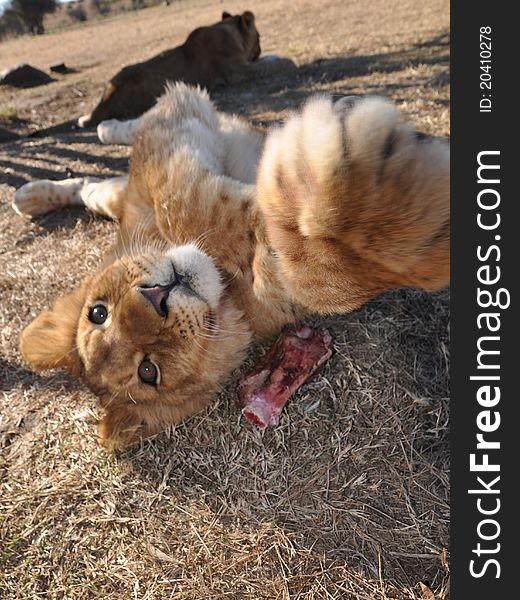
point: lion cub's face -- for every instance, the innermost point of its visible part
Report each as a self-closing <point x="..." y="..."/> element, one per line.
<point x="146" y="336"/>
<point x="143" y="314"/>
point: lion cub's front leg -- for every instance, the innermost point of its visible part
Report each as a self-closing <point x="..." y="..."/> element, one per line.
<point x="43" y="196"/>
<point x="356" y="202"/>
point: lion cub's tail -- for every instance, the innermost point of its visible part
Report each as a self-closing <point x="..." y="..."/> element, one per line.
<point x="356" y="201"/>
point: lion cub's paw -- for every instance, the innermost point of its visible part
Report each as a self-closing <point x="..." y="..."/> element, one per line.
<point x="342" y="143"/>
<point x="41" y="197"/>
<point x="114" y="131"/>
<point x="356" y="202"/>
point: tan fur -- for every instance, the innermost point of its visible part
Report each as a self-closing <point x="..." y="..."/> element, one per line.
<point x="349" y="202"/>
<point x="346" y="222"/>
<point x="215" y="55"/>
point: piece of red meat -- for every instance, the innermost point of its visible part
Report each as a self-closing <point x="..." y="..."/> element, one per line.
<point x="295" y="356"/>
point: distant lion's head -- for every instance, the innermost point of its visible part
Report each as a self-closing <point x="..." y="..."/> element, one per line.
<point x="245" y="24"/>
<point x="153" y="336"/>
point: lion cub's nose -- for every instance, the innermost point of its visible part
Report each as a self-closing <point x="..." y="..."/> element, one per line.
<point x="157" y="296"/>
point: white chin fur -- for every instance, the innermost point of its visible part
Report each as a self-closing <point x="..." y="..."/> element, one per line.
<point x="203" y="274"/>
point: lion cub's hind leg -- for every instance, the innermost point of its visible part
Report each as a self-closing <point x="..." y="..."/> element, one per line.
<point x="356" y="202"/>
<point x="41" y="197"/>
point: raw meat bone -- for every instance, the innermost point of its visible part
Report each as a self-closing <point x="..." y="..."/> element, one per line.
<point x="295" y="356"/>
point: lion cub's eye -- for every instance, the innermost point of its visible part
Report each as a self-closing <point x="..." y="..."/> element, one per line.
<point x="147" y="372"/>
<point x="98" y="314"/>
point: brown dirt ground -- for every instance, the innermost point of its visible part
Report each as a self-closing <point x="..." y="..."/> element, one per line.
<point x="348" y="496"/>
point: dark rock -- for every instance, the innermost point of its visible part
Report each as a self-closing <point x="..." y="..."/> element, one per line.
<point x="24" y="76"/>
<point x="60" y="67"/>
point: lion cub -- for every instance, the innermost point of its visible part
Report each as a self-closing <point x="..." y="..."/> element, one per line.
<point x="349" y="201"/>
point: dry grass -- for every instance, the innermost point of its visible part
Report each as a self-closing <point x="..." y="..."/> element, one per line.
<point x="348" y="497"/>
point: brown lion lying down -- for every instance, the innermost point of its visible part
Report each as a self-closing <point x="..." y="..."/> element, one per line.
<point x="349" y="201"/>
<point x="219" y="54"/>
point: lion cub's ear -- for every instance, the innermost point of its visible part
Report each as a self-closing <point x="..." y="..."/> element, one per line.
<point x="226" y="15"/>
<point x="50" y="340"/>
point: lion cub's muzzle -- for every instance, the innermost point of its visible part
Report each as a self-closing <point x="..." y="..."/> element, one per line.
<point x="158" y="296"/>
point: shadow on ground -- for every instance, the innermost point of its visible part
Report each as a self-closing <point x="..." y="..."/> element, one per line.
<point x="289" y="91"/>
